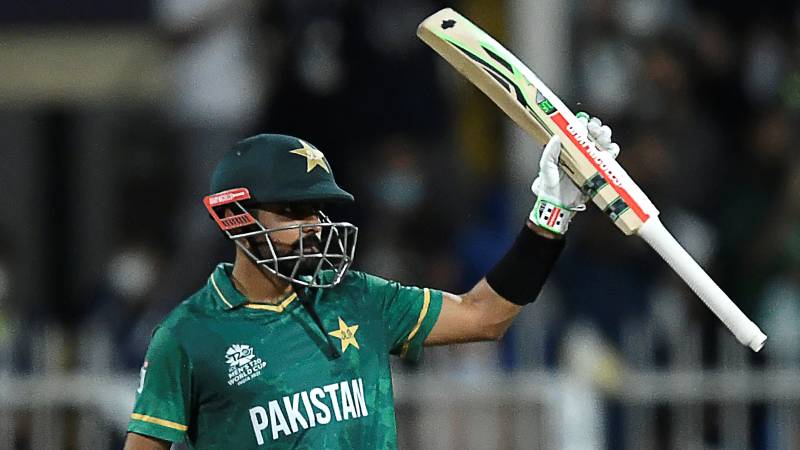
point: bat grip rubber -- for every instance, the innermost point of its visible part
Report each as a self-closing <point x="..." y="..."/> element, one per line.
<point x="656" y="235"/>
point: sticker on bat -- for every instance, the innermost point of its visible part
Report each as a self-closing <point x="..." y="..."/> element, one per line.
<point x="593" y="153"/>
<point x="601" y="165"/>
<point x="448" y="23"/>
<point x="544" y="103"/>
<point x="593" y="185"/>
<point x="616" y="208"/>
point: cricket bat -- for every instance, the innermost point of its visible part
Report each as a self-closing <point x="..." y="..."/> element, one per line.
<point x="528" y="101"/>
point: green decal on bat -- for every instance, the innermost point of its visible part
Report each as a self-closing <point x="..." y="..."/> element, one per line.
<point x="546" y="106"/>
<point x="501" y="70"/>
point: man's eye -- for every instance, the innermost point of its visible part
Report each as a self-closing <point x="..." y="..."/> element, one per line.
<point x="298" y="210"/>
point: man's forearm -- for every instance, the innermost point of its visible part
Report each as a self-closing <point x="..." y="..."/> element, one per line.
<point x="135" y="441"/>
<point x="495" y="312"/>
<point x="487" y="310"/>
<point x="520" y="274"/>
<point x="478" y="315"/>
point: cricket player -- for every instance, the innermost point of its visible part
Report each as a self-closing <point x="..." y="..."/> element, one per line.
<point x="289" y="348"/>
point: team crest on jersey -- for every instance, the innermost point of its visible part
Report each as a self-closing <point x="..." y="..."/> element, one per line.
<point x="243" y="364"/>
<point x="346" y="334"/>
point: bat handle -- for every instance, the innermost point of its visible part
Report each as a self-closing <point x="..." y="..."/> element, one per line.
<point x="656" y="235"/>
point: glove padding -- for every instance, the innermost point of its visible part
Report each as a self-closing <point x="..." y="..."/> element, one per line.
<point x="557" y="196"/>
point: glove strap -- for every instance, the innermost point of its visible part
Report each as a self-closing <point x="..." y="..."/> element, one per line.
<point x="552" y="216"/>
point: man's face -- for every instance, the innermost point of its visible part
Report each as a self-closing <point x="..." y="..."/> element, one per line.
<point x="288" y="242"/>
<point x="296" y="241"/>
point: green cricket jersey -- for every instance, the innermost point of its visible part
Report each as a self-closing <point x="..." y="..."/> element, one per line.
<point x="222" y="373"/>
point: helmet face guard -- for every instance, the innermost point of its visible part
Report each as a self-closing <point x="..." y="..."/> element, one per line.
<point x="319" y="247"/>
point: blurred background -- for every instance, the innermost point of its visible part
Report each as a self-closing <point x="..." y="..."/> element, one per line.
<point x="112" y="115"/>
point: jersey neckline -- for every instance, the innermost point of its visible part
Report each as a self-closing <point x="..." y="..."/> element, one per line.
<point x="230" y="298"/>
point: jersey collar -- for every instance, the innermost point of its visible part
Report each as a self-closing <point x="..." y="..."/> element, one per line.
<point x="223" y="289"/>
<point x="229" y="297"/>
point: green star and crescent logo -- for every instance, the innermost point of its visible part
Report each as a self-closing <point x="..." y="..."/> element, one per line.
<point x="313" y="156"/>
<point x="347" y="334"/>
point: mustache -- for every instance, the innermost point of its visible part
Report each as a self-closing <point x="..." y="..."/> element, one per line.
<point x="310" y="242"/>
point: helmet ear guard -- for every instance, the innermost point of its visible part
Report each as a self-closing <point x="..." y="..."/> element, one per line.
<point x="337" y="241"/>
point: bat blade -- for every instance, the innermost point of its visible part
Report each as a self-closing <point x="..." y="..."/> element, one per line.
<point x="529" y="102"/>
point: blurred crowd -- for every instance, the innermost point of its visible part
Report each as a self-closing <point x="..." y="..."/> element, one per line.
<point x="347" y="76"/>
<point x="703" y="97"/>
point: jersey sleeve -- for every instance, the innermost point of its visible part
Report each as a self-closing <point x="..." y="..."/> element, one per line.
<point x="409" y="314"/>
<point x="163" y="397"/>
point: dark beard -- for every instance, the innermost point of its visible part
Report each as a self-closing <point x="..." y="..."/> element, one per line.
<point x="307" y="266"/>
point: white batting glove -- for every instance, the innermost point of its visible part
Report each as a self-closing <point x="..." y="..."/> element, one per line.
<point x="557" y="196"/>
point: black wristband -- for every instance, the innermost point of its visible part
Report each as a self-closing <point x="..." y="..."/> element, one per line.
<point x="522" y="271"/>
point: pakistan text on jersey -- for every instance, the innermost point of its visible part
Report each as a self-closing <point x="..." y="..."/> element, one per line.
<point x="307" y="409"/>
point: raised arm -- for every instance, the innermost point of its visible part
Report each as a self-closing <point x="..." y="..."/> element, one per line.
<point x="487" y="310"/>
<point x="482" y="314"/>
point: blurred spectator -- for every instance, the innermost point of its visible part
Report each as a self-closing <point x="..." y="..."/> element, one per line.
<point x="351" y="75"/>
<point x="779" y="312"/>
<point x="124" y="307"/>
<point x="757" y="210"/>
<point x="9" y="317"/>
<point x="217" y="84"/>
<point x="20" y="323"/>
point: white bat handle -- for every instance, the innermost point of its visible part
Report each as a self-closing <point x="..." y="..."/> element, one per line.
<point x="747" y="332"/>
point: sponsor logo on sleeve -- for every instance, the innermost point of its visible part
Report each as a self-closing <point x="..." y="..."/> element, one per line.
<point x="142" y="373"/>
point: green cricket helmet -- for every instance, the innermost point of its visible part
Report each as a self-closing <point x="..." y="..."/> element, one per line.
<point x="275" y="168"/>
